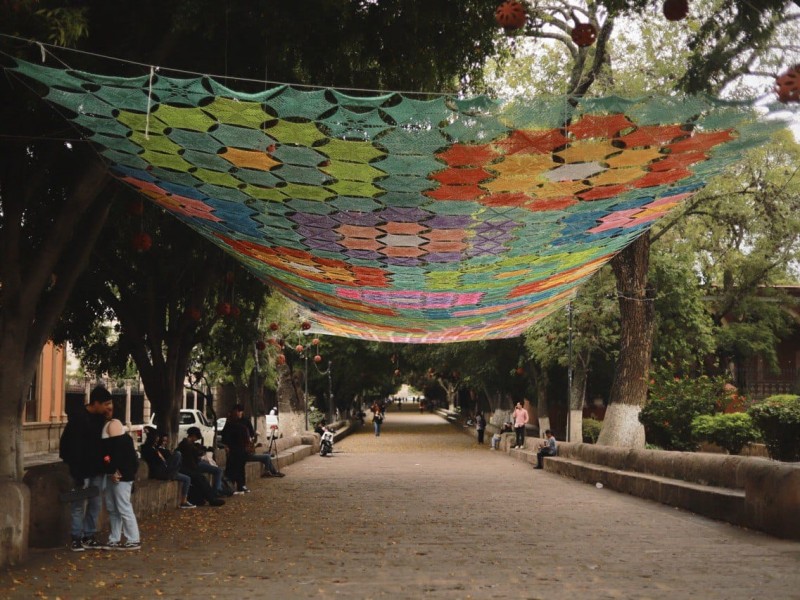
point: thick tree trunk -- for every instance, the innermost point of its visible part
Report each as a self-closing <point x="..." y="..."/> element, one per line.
<point x="621" y="426"/>
<point x="13" y="386"/>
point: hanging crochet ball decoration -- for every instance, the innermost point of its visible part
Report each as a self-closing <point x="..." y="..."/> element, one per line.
<point x="787" y="86"/>
<point x="305" y="326"/>
<point x="317" y="358"/>
<point x="261" y="345"/>
<point x="281" y="359"/>
<point x="223" y="309"/>
<point x="193" y="313"/>
<point x="675" y="10"/>
<point x="510" y="15"/>
<point x="136" y="207"/>
<point x="142" y="242"/>
<point x="584" y="34"/>
<point x="299" y="348"/>
<point x="273" y="326"/>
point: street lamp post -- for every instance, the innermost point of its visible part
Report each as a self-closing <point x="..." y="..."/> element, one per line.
<point x="569" y="371"/>
<point x="305" y="376"/>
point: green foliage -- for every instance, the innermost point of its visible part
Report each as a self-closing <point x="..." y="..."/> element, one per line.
<point x="673" y="404"/>
<point x="591" y="430"/>
<point x="729" y="431"/>
<point x="684" y="331"/>
<point x="778" y="420"/>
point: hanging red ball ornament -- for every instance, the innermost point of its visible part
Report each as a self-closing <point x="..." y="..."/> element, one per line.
<point x="315" y="341"/>
<point x="142" y="242"/>
<point x="675" y="10"/>
<point x="281" y="359"/>
<point x="317" y="358"/>
<point x="510" y="15"/>
<point x="136" y="207"/>
<point x="299" y="348"/>
<point x="223" y="309"/>
<point x="787" y="86"/>
<point x="261" y="345"/>
<point x="584" y="34"/>
<point x="271" y="148"/>
<point x="305" y="326"/>
<point x="193" y="313"/>
<point x="273" y="326"/>
<point x="520" y="371"/>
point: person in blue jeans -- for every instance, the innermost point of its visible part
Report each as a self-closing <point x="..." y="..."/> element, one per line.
<point x="121" y="464"/>
<point x="547" y="448"/>
<point x="80" y="448"/>
<point x="163" y="464"/>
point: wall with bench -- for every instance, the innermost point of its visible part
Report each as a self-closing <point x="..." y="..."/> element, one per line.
<point x="749" y="491"/>
<point x="50" y="518"/>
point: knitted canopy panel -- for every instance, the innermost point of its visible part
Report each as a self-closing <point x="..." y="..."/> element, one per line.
<point x="393" y="218"/>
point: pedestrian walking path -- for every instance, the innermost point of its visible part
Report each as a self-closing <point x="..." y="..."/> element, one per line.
<point x="423" y="511"/>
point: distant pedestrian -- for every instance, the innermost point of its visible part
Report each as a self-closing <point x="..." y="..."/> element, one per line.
<point x="80" y="448"/>
<point x="520" y="418"/>
<point x="480" y="426"/>
<point x="377" y="421"/>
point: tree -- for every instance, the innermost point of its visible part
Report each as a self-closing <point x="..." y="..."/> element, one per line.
<point x="591" y="329"/>
<point x="590" y="69"/>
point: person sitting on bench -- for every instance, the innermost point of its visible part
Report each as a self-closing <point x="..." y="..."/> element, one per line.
<point x="546" y="448"/>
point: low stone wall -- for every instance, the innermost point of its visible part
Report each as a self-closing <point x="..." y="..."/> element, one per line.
<point x="753" y="492"/>
<point x="50" y="519"/>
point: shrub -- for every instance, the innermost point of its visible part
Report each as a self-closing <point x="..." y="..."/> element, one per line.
<point x="674" y="402"/>
<point x="729" y="431"/>
<point x="591" y="430"/>
<point x="778" y="420"/>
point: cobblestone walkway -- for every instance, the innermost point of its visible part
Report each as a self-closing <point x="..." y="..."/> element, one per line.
<point x="423" y="511"/>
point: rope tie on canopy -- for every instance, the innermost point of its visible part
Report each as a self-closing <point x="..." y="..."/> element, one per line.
<point x="149" y="103"/>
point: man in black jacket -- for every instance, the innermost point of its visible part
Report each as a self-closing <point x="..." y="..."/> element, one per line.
<point x="80" y="448"/>
<point x="200" y="492"/>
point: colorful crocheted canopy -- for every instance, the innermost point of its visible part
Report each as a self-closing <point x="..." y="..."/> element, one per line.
<point x="393" y="218"/>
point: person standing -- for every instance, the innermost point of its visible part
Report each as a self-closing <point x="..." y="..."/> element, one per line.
<point x="520" y="418"/>
<point x="121" y="464"/>
<point x="80" y="448"/>
<point x="236" y="439"/>
<point x="480" y="426"/>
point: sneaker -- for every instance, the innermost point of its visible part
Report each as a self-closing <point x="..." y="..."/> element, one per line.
<point x="76" y="546"/>
<point x="279" y="474"/>
<point x="246" y="489"/>
<point x="113" y="546"/>
<point x="131" y="546"/>
<point x="91" y="543"/>
<point x="187" y="504"/>
<point x="238" y="493"/>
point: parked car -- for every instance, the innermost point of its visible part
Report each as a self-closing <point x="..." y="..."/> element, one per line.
<point x="220" y="426"/>
<point x="187" y="417"/>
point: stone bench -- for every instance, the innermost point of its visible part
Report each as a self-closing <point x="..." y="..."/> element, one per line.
<point x="748" y="491"/>
<point x="49" y="523"/>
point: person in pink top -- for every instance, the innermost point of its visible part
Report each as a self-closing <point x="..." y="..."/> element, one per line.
<point x="520" y="418"/>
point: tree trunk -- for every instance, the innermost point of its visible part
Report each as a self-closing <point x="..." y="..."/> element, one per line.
<point x="621" y="426"/>
<point x="577" y="398"/>
<point x="542" y="411"/>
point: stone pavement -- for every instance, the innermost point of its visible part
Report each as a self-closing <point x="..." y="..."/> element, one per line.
<point x="423" y="511"/>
